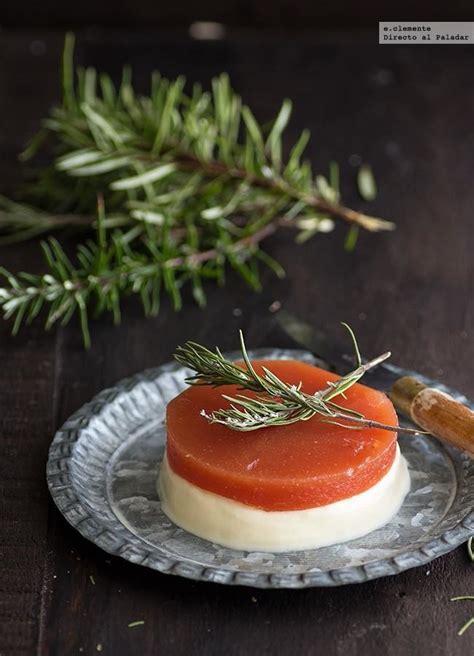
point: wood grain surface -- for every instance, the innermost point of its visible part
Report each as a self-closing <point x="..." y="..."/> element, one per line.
<point x="407" y="111"/>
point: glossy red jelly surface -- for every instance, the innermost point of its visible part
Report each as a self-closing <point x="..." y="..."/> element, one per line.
<point x="301" y="465"/>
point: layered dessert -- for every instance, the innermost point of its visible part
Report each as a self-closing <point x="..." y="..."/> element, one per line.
<point x="302" y="485"/>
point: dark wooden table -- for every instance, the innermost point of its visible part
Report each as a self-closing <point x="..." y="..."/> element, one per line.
<point x="406" y="110"/>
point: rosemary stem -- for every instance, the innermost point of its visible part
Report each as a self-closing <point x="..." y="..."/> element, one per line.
<point x="119" y="276"/>
<point x="215" y="169"/>
<point x="64" y="220"/>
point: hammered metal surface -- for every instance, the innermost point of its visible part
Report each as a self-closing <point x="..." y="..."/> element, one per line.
<point x="102" y="473"/>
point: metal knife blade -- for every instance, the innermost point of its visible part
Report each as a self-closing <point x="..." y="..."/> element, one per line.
<point x="335" y="356"/>
<point x="434" y="411"/>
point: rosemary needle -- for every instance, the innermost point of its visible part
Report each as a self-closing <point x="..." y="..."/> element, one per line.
<point x="470" y="621"/>
<point x="366" y="183"/>
<point x="463" y="598"/>
<point x="465" y="627"/>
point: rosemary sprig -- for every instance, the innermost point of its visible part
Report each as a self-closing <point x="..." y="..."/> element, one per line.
<point x="158" y="153"/>
<point x="191" y="182"/>
<point x="107" y="270"/>
<point x="275" y="403"/>
<point x="470" y="621"/>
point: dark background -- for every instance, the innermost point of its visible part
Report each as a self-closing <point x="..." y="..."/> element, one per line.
<point x="263" y="14"/>
<point x="406" y="110"/>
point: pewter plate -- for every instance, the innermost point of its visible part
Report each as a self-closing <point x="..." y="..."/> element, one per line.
<point x="102" y="473"/>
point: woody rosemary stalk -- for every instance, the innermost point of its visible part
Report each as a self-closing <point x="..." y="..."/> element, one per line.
<point x="274" y="402"/>
<point x="188" y="185"/>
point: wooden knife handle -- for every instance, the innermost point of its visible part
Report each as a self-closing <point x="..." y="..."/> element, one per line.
<point x="435" y="411"/>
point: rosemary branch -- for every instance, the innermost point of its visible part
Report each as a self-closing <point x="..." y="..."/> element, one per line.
<point x="106" y="271"/>
<point x="192" y="185"/>
<point x="275" y="403"/>
<point x="144" y="150"/>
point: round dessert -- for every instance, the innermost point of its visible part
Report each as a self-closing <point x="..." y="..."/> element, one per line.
<point x="298" y="486"/>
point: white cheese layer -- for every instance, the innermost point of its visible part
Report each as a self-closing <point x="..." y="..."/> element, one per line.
<point x="239" y="526"/>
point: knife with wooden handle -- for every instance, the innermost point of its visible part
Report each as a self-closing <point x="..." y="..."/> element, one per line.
<point x="435" y="412"/>
<point x="429" y="408"/>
